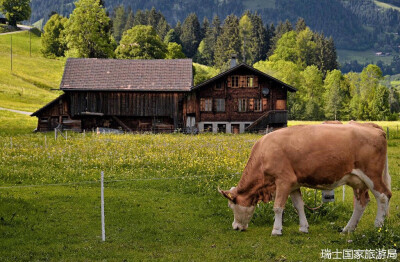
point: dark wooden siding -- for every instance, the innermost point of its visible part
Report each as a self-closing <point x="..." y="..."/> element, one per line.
<point x="141" y="104"/>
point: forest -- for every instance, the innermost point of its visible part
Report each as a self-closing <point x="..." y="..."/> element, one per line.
<point x="294" y="54"/>
<point x="356" y="24"/>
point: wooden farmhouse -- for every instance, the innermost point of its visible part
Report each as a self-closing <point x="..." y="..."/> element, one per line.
<point x="159" y="96"/>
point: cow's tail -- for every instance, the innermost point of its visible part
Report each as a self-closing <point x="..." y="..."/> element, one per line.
<point x="386" y="178"/>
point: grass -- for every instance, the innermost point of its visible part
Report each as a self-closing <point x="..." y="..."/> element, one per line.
<point x="363" y="57"/>
<point x="387" y="6"/>
<point x="27" y="86"/>
<point x="257" y="4"/>
<point x="151" y="212"/>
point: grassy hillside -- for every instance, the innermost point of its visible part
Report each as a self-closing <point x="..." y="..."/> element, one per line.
<point x="387" y="6"/>
<point x="367" y="56"/>
<point x="27" y="86"/>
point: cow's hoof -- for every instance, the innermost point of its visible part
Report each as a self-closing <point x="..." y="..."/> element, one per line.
<point x="378" y="223"/>
<point x="276" y="232"/>
<point x="347" y="230"/>
<point x="303" y="229"/>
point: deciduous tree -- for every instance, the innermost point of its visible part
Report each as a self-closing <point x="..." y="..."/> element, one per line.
<point x="88" y="31"/>
<point x="53" y="40"/>
<point x="15" y="10"/>
<point x="141" y="42"/>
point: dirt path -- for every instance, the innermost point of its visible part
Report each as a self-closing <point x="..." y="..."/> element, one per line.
<point x="16" y="111"/>
<point x="22" y="27"/>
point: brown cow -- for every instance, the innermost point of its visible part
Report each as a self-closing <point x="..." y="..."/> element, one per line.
<point x="317" y="156"/>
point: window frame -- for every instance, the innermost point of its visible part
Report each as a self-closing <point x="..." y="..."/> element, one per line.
<point x="235" y="79"/>
<point x="257" y="102"/>
<point x="242" y="108"/>
<point x="220" y="105"/>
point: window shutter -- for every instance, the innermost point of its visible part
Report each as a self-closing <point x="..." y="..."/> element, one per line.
<point x="280" y="104"/>
<point x="251" y="104"/>
<point x="229" y="81"/>
<point x="255" y="83"/>
<point x="202" y="104"/>
<point x="264" y="104"/>
<point x="242" y="81"/>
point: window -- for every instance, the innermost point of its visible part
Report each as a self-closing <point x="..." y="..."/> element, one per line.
<point x="219" y="86"/>
<point x="220" y="103"/>
<point x="242" y="105"/>
<point x="235" y="81"/>
<point x="221" y="128"/>
<point x="280" y="104"/>
<point x="250" y="81"/>
<point x="257" y="105"/>
<point x="206" y="104"/>
<point x="44" y="120"/>
<point x="208" y="128"/>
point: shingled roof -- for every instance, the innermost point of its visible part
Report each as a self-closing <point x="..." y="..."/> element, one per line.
<point x="127" y="75"/>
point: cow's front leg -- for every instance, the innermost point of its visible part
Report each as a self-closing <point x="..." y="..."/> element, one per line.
<point x="282" y="194"/>
<point x="299" y="205"/>
<point x="361" y="201"/>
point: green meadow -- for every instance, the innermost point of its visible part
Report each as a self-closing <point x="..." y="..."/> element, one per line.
<point x="161" y="200"/>
<point x="28" y="86"/>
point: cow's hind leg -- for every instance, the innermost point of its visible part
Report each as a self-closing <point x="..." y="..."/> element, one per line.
<point x="361" y="201"/>
<point x="299" y="205"/>
<point x="283" y="189"/>
<point x="381" y="193"/>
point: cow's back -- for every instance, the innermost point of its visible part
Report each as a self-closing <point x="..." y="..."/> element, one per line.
<point x="320" y="154"/>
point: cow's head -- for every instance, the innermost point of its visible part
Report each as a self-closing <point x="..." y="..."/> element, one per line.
<point x="242" y="214"/>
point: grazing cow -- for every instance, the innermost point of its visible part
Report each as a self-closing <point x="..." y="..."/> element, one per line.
<point x="318" y="156"/>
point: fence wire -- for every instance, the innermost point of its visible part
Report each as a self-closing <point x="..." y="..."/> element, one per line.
<point x="113" y="181"/>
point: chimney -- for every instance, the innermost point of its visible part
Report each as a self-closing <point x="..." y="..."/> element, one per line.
<point x="233" y="60"/>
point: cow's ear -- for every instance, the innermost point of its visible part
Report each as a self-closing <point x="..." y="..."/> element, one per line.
<point x="228" y="194"/>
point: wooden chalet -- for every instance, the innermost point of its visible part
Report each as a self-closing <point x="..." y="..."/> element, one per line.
<point x="158" y="96"/>
<point x="238" y="100"/>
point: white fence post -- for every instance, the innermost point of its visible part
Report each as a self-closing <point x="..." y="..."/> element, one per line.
<point x="344" y="191"/>
<point x="103" y="229"/>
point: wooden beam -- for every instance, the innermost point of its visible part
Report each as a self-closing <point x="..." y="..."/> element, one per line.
<point x="122" y="123"/>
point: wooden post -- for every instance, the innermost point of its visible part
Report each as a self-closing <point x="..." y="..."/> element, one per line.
<point x="103" y="229"/>
<point x="11" y="51"/>
<point x="387" y="132"/>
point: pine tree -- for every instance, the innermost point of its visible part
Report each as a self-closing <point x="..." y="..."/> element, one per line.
<point x="139" y="18"/>
<point x="260" y="38"/>
<point x="280" y="30"/>
<point x="204" y="27"/>
<point x="190" y="36"/>
<point x="129" y="21"/>
<point x="119" y="22"/>
<point x="162" y="27"/>
<point x="172" y="37"/>
<point x="300" y="25"/>
<point x="228" y="42"/>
